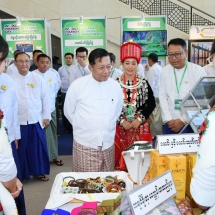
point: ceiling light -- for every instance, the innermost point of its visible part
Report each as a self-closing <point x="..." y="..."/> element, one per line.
<point x="18" y="22"/>
<point x="81" y="20"/>
<point x="142" y="16"/>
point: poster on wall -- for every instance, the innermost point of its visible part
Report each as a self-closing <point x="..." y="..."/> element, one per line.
<point x="89" y="33"/>
<point x="26" y="36"/>
<point x="150" y="34"/>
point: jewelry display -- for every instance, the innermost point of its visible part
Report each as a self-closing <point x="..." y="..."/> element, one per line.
<point x="108" y="184"/>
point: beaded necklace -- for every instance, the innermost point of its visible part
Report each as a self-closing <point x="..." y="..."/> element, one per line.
<point x="133" y="91"/>
<point x="130" y="110"/>
<point x="134" y="86"/>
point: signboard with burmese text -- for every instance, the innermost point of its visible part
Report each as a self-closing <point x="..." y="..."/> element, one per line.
<point x="149" y="32"/>
<point x="146" y="197"/>
<point x="27" y="35"/>
<point x="82" y="32"/>
<point x="178" y="143"/>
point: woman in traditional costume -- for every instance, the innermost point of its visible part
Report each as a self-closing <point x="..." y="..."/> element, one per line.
<point x="138" y="104"/>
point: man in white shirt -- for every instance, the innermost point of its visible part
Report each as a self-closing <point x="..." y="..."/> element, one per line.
<point x="202" y="187"/>
<point x="55" y="72"/>
<point x="115" y="73"/>
<point x="56" y="100"/>
<point x="92" y="105"/>
<point x="51" y="82"/>
<point x="64" y="72"/>
<point x="176" y="80"/>
<point x="34" y="112"/>
<point x="153" y="71"/>
<point x="81" y="68"/>
<point x="11" y="69"/>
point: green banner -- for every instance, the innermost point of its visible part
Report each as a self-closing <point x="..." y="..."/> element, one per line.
<point x="91" y="34"/>
<point x="149" y="23"/>
<point x="28" y="36"/>
<point x="150" y="34"/>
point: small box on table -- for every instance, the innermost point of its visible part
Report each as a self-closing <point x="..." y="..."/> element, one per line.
<point x="157" y="164"/>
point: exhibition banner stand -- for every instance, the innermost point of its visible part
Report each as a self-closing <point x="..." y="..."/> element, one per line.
<point x="150" y="33"/>
<point x="82" y="32"/>
<point x="27" y="35"/>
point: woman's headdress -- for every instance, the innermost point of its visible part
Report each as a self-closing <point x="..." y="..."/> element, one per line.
<point x="130" y="50"/>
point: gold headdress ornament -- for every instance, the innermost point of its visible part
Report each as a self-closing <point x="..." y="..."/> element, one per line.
<point x="130" y="50"/>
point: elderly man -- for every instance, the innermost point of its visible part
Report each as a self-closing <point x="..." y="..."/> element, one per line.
<point x="176" y="80"/>
<point x="92" y="105"/>
<point x="34" y="113"/>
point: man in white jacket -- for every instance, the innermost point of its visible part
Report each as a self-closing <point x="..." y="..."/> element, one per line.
<point x="53" y="85"/>
<point x="93" y="104"/>
<point x="176" y="80"/>
<point x="34" y="113"/>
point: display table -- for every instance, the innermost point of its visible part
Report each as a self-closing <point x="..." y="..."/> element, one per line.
<point x="57" y="199"/>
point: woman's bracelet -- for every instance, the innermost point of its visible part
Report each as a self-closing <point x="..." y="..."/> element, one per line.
<point x="140" y="120"/>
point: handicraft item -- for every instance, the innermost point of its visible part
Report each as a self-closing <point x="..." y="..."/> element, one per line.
<point x="109" y="184"/>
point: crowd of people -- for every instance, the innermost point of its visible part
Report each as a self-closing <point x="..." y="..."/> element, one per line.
<point x="106" y="108"/>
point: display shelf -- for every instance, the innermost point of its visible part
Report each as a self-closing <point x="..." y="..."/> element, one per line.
<point x="198" y="101"/>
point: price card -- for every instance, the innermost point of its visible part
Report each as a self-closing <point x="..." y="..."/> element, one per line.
<point x="177" y="143"/>
<point x="146" y="197"/>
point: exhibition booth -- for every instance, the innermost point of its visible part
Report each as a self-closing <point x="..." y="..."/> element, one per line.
<point x="158" y="179"/>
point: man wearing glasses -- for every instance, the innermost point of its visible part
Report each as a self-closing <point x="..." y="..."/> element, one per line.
<point x="176" y="80"/>
<point x="34" y="114"/>
<point x="92" y="105"/>
<point x="81" y="68"/>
